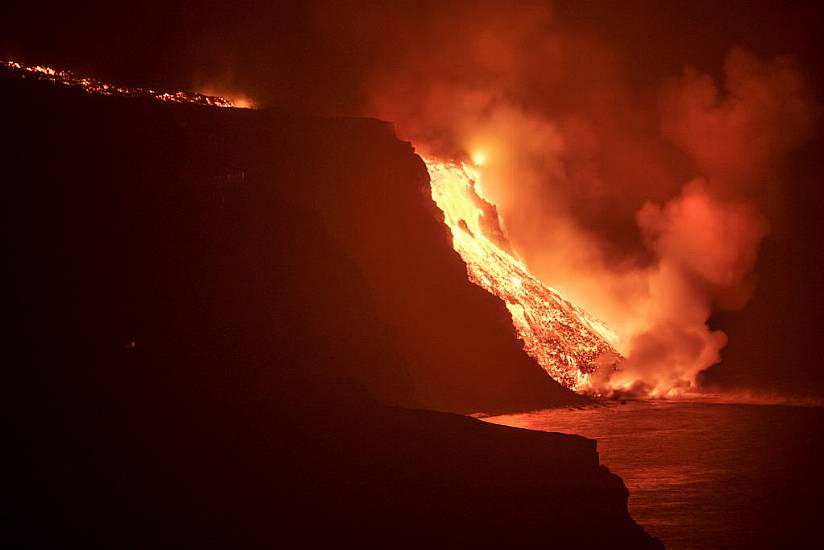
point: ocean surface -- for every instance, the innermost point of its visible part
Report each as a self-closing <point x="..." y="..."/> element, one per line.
<point x="709" y="475"/>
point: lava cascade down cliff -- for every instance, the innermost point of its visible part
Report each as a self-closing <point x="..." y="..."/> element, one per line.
<point x="570" y="344"/>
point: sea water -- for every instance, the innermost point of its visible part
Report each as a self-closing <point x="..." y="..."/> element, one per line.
<point x="708" y="475"/>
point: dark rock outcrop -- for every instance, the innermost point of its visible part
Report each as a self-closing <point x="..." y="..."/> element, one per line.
<point x="207" y="183"/>
<point x="203" y="300"/>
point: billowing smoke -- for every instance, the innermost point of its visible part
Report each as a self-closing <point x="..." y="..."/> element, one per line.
<point x="644" y="203"/>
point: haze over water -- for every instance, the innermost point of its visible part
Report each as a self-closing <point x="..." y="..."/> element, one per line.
<point x="707" y="475"/>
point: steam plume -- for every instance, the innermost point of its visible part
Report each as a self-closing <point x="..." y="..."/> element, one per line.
<point x="643" y="205"/>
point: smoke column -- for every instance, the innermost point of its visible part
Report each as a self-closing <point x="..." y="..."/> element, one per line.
<point x="643" y="204"/>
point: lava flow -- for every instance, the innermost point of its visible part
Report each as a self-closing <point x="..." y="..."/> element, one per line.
<point x="571" y="345"/>
<point x="94" y="86"/>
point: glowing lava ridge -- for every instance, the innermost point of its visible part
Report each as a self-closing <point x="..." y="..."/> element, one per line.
<point x="570" y="344"/>
<point x="94" y="86"/>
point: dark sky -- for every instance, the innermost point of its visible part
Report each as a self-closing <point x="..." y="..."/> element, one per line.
<point x="317" y="53"/>
<point x="318" y="57"/>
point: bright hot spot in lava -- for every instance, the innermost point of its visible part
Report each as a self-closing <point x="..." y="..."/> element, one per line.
<point x="570" y="344"/>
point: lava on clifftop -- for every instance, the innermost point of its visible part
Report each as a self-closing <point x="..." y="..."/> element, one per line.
<point x="94" y="86"/>
<point x="570" y="344"/>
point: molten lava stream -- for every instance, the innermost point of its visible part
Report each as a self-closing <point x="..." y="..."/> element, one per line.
<point x="566" y="341"/>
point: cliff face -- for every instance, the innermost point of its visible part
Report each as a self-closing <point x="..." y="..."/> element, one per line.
<point x="200" y="297"/>
<point x="207" y="185"/>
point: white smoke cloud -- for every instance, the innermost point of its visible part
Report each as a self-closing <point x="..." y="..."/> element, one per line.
<point x="647" y="209"/>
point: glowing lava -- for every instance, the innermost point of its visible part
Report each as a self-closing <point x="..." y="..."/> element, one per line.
<point x="571" y="345"/>
<point x="479" y="158"/>
<point x="94" y="86"/>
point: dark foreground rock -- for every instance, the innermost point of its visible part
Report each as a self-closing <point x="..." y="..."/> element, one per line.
<point x="218" y="317"/>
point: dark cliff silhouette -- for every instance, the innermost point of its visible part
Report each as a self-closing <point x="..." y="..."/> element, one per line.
<point x="217" y="317"/>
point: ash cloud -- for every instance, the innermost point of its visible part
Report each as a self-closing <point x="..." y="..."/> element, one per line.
<point x="645" y="204"/>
